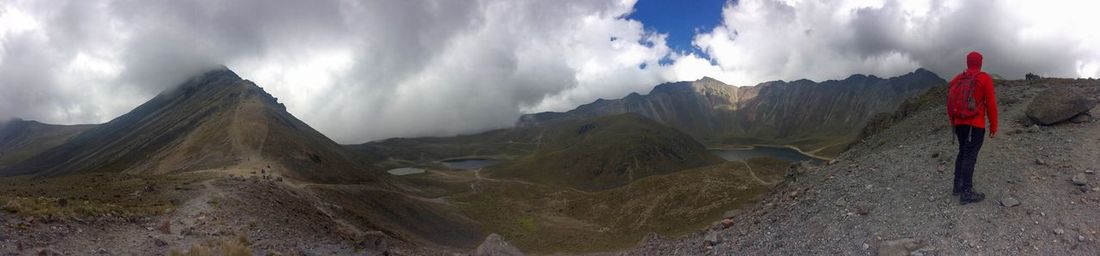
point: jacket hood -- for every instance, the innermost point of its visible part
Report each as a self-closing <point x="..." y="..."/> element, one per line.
<point x="974" y="61"/>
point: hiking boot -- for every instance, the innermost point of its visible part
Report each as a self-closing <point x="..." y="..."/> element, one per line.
<point x="971" y="197"/>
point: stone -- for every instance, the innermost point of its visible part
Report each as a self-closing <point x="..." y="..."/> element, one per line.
<point x="159" y="242"/>
<point x="727" y="223"/>
<point x="1059" y="231"/>
<point x="1058" y="104"/>
<point x="165" y="227"/>
<point x="1080" y="179"/>
<point x="711" y="239"/>
<point x="1040" y="162"/>
<point x="901" y="247"/>
<point x="1009" y="202"/>
<point x="1033" y="129"/>
<point x="494" y="245"/>
<point x="49" y="252"/>
<point x="1081" y="118"/>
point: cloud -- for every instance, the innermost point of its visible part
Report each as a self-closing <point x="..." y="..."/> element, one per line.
<point x="367" y="70"/>
<point x="761" y="40"/>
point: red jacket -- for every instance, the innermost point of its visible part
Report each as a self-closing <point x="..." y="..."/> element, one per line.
<point x="984" y="94"/>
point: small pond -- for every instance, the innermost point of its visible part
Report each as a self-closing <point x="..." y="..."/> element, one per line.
<point x="405" y="171"/>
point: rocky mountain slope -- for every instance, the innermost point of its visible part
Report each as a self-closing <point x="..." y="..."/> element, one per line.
<point x="822" y="118"/>
<point x="211" y="121"/>
<point x="22" y="139"/>
<point x="890" y="194"/>
<point x="214" y="163"/>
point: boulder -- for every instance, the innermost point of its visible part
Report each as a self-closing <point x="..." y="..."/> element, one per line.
<point x="1081" y="118"/>
<point x="1009" y="202"/>
<point x="1080" y="179"/>
<point x="495" y="245"/>
<point x="900" y="247"/>
<point x="1058" y="104"/>
<point x="711" y="239"/>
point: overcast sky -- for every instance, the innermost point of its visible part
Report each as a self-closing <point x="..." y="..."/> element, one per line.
<point x="367" y="70"/>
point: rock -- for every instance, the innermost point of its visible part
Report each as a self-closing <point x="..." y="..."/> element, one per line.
<point x="165" y="227"/>
<point x="1081" y="118"/>
<point x="1090" y="172"/>
<point x="1009" y="202"/>
<point x="1058" y="104"/>
<point x="1080" y="238"/>
<point x="727" y="223"/>
<point x="900" y="247"/>
<point x="1059" y="231"/>
<point x="711" y="239"/>
<point x="1040" y="162"/>
<point x="101" y="251"/>
<point x="62" y="203"/>
<point x="159" y="242"/>
<point x="1033" y="129"/>
<point x="1080" y="179"/>
<point x="494" y="245"/>
<point x="48" y="252"/>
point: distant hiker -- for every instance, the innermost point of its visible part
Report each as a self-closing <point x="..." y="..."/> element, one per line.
<point x="970" y="98"/>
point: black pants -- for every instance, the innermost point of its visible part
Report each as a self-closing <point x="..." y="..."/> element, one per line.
<point x="970" y="142"/>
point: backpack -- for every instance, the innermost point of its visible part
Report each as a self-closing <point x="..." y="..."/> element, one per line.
<point x="961" y="103"/>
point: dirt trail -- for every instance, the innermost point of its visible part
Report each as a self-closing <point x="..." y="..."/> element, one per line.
<point x="753" y="174"/>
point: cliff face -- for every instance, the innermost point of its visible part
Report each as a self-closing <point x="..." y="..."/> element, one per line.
<point x="823" y="117"/>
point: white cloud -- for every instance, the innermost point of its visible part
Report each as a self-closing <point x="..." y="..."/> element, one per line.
<point x="364" y="70"/>
<point x="763" y="40"/>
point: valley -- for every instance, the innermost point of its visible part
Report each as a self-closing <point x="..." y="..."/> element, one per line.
<point x="218" y="164"/>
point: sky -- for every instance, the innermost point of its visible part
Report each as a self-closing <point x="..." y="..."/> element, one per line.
<point x="367" y="70"/>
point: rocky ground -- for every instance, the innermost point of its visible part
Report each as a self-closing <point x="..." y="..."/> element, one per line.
<point x="217" y="215"/>
<point x="891" y="194"/>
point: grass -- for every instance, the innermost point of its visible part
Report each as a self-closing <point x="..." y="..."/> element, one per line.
<point x="94" y="195"/>
<point x="229" y="247"/>
<point x="553" y="219"/>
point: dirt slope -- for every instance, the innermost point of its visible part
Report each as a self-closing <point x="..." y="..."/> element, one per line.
<point x="891" y="193"/>
<point x="22" y="139"/>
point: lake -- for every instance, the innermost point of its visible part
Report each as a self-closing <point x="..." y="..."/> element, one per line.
<point x="469" y="163"/>
<point x="785" y="154"/>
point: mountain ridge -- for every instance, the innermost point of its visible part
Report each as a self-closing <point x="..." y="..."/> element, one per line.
<point x="212" y="120"/>
<point x="775" y="112"/>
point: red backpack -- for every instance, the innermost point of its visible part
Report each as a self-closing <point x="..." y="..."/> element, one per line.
<point x="961" y="103"/>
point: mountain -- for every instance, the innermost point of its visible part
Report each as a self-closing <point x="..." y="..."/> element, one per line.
<point x="215" y="120"/>
<point x="820" y="118"/>
<point x="890" y="194"/>
<point x="21" y="139"/>
<point x="606" y="152"/>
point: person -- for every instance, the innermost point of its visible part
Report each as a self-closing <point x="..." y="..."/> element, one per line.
<point x="970" y="127"/>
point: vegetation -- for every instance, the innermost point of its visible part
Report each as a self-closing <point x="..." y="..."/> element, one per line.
<point x="228" y="247"/>
<point x="606" y="152"/>
<point x="94" y="195"/>
<point x="540" y="218"/>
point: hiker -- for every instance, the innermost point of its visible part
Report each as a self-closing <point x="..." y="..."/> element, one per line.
<point x="970" y="99"/>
